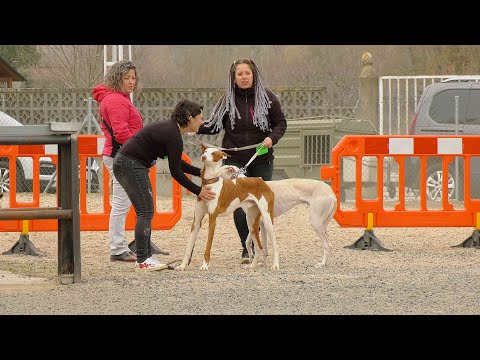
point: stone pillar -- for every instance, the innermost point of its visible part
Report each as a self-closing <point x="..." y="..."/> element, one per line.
<point x="368" y="92"/>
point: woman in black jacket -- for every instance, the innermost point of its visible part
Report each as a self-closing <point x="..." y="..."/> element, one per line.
<point x="134" y="159"/>
<point x="250" y="114"/>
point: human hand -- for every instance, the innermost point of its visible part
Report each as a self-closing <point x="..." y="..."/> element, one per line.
<point x="206" y="193"/>
<point x="268" y="143"/>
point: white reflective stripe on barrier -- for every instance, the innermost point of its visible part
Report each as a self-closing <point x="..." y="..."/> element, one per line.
<point x="100" y="144"/>
<point x="51" y="149"/>
<point x="400" y="146"/>
<point x="449" y="146"/>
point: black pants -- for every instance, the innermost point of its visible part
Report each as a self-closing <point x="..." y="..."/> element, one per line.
<point x="265" y="171"/>
<point x="133" y="176"/>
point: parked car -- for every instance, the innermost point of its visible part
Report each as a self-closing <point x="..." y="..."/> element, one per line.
<point x="438" y="113"/>
<point x="25" y="168"/>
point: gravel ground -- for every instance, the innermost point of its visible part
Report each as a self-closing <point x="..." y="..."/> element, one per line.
<point x="423" y="275"/>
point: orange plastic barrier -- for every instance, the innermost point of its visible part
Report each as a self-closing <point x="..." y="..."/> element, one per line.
<point x="88" y="146"/>
<point x="400" y="147"/>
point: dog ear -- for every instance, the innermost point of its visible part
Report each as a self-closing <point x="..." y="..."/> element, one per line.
<point x="225" y="155"/>
<point x="203" y="147"/>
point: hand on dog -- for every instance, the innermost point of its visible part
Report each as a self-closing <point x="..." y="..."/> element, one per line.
<point x="206" y="193"/>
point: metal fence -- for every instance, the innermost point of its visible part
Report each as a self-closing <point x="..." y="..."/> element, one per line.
<point x="398" y="99"/>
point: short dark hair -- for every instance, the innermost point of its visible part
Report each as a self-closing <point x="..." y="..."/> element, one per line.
<point x="184" y="109"/>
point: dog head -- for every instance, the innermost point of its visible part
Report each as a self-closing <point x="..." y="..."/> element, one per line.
<point x="226" y="171"/>
<point x="213" y="155"/>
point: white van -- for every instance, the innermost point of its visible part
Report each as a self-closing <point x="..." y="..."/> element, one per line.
<point x="24" y="164"/>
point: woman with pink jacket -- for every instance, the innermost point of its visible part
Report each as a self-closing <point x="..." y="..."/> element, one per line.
<point x="120" y="120"/>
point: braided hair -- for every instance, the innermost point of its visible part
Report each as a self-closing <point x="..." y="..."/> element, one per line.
<point x="226" y="103"/>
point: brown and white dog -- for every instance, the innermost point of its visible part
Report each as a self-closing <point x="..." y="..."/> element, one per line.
<point x="251" y="194"/>
<point x="291" y="192"/>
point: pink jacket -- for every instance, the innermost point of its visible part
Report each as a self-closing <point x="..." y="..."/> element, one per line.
<point x="119" y="113"/>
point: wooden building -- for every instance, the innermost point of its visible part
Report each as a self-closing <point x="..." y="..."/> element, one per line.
<point x="8" y="74"/>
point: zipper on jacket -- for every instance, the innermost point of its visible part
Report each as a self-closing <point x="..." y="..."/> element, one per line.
<point x="246" y="120"/>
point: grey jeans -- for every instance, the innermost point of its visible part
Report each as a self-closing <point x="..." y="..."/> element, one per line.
<point x="133" y="176"/>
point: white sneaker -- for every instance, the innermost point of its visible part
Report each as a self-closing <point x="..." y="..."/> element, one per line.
<point x="150" y="264"/>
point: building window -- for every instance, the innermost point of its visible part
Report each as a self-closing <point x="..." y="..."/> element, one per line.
<point x="316" y="149"/>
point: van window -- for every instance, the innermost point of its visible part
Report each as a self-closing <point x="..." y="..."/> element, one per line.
<point x="473" y="110"/>
<point x="442" y="109"/>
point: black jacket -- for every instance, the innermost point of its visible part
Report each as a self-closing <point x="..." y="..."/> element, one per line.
<point x="245" y="132"/>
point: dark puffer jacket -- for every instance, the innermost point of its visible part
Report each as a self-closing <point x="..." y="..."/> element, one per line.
<point x="245" y="132"/>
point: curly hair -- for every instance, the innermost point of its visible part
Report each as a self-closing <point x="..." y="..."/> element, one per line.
<point x="184" y="109"/>
<point x="116" y="72"/>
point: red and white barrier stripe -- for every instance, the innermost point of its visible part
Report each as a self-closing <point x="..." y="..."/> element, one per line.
<point x="407" y="145"/>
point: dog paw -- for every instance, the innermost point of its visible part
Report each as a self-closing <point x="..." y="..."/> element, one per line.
<point x="180" y="267"/>
<point x="204" y="267"/>
<point x="275" y="267"/>
<point x="320" y="265"/>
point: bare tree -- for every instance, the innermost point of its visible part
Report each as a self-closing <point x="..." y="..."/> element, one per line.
<point x="190" y="66"/>
<point x="433" y="60"/>
<point x="68" y="66"/>
<point x="335" y="67"/>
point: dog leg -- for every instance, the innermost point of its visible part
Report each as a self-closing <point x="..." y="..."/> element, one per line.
<point x="322" y="233"/>
<point x="256" y="256"/>
<point x="199" y="214"/>
<point x="253" y="219"/>
<point x="212" y="221"/>
<point x="320" y="209"/>
<point x="268" y="223"/>
<point x="263" y="232"/>
<point x="249" y="245"/>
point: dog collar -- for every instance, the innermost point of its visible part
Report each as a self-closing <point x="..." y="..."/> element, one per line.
<point x="210" y="181"/>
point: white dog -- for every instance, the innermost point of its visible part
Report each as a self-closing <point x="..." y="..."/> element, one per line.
<point x="251" y="194"/>
<point x="291" y="192"/>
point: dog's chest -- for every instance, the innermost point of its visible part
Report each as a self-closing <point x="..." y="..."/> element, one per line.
<point x="213" y="204"/>
<point x="230" y="197"/>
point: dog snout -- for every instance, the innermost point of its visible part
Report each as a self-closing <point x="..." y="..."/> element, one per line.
<point x="203" y="157"/>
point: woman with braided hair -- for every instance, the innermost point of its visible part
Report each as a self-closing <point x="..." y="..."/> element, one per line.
<point x="249" y="113"/>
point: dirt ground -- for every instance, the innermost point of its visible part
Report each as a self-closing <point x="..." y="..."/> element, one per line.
<point x="423" y="274"/>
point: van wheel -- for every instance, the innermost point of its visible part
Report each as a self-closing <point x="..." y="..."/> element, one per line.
<point x="5" y="177"/>
<point x="435" y="179"/>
